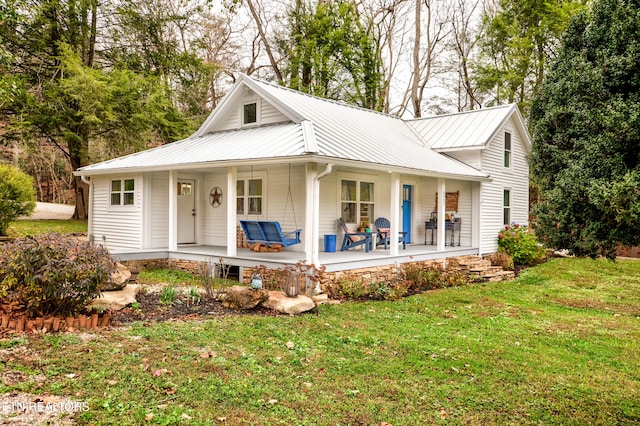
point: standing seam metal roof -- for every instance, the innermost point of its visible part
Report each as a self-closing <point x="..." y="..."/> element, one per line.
<point x="340" y="131"/>
<point x="470" y="129"/>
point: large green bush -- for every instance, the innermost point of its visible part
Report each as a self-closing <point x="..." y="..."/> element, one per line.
<point x="17" y="196"/>
<point x="52" y="274"/>
<point x="520" y="243"/>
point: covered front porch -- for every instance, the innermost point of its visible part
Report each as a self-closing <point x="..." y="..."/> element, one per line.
<point x="333" y="262"/>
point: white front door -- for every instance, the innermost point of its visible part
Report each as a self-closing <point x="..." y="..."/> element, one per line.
<point x="186" y="211"/>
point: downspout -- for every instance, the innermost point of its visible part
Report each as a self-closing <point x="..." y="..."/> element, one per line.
<point x="90" y="235"/>
<point x="316" y="217"/>
<point x="326" y="171"/>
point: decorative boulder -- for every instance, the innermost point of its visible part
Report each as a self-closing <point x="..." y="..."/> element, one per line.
<point x="118" y="280"/>
<point x="117" y="299"/>
<point x="279" y="301"/>
<point x="241" y="297"/>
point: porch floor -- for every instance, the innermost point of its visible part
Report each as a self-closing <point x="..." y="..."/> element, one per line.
<point x="337" y="261"/>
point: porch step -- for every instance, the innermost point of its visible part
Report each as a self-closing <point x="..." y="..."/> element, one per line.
<point x="480" y="268"/>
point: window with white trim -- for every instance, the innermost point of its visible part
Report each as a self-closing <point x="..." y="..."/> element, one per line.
<point x="506" y="203"/>
<point x="123" y="192"/>
<point x="507" y="150"/>
<point x="357" y="202"/>
<point x="250" y="113"/>
<point x="249" y="195"/>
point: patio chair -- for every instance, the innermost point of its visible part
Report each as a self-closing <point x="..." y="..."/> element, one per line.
<point x="354" y="239"/>
<point x="383" y="227"/>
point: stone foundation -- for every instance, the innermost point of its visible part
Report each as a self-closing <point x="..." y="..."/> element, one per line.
<point x="276" y="279"/>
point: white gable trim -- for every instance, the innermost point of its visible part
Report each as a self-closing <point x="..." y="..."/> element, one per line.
<point x="231" y="100"/>
<point x="519" y="123"/>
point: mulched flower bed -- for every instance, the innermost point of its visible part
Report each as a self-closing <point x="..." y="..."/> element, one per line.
<point x="150" y="308"/>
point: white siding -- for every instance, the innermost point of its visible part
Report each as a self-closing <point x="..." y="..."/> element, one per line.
<point x="515" y="178"/>
<point x="426" y="190"/>
<point x="214" y="220"/>
<point x="158" y="213"/>
<point x="290" y="212"/>
<point x="117" y="227"/>
<point x="267" y="114"/>
<point x="423" y="203"/>
<point x="472" y="157"/>
<point x="275" y="201"/>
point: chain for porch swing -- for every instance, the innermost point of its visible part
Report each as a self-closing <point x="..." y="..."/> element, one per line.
<point x="290" y="200"/>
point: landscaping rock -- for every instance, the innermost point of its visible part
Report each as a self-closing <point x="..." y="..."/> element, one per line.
<point x="320" y="299"/>
<point x="241" y="297"/>
<point x="118" y="299"/>
<point x="119" y="279"/>
<point x="279" y="301"/>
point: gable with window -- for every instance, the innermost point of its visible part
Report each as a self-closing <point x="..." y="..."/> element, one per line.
<point x="250" y="113"/>
<point x="507" y="150"/>
<point x="122" y="192"/>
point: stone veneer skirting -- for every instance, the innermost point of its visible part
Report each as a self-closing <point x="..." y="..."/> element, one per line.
<point x="328" y="279"/>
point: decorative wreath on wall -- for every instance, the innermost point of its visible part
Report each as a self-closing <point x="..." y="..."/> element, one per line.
<point x="215" y="196"/>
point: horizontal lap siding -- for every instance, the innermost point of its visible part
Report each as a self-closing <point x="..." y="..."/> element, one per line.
<point x="119" y="227"/>
<point x="275" y="201"/>
<point x="268" y="114"/>
<point x="279" y="207"/>
<point x="426" y="200"/>
<point x="214" y="226"/>
<point x="516" y="179"/>
<point x="159" y="210"/>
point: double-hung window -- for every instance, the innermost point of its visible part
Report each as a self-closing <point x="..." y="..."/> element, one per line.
<point x="357" y="201"/>
<point x="249" y="196"/>
<point x="122" y="192"/>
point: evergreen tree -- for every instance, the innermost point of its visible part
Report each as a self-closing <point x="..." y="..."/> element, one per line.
<point x="63" y="94"/>
<point x="586" y="134"/>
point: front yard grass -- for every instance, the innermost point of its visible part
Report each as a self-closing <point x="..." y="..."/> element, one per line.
<point x="558" y="345"/>
<point x="23" y="228"/>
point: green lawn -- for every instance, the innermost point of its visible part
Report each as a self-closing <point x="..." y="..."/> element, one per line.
<point x="559" y="345"/>
<point x="22" y="228"/>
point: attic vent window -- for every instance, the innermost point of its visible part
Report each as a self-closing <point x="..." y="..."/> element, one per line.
<point x="250" y="113"/>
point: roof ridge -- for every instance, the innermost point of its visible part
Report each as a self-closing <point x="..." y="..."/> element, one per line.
<point x="328" y="100"/>
<point x="462" y="112"/>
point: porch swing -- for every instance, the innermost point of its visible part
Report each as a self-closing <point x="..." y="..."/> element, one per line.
<point x="269" y="232"/>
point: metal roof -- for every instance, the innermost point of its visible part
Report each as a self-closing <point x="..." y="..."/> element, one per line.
<point x="283" y="140"/>
<point x="471" y="129"/>
<point x="322" y="128"/>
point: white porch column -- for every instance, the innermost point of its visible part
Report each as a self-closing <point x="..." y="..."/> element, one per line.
<point x="476" y="208"/>
<point x="311" y="214"/>
<point x="394" y="234"/>
<point x="232" y="238"/>
<point x="442" y="200"/>
<point x="173" y="210"/>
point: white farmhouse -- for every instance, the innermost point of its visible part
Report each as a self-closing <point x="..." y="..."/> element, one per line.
<point x="271" y="154"/>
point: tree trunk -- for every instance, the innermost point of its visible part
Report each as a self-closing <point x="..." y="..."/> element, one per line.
<point x="265" y="41"/>
<point x="415" y="81"/>
<point x="78" y="146"/>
